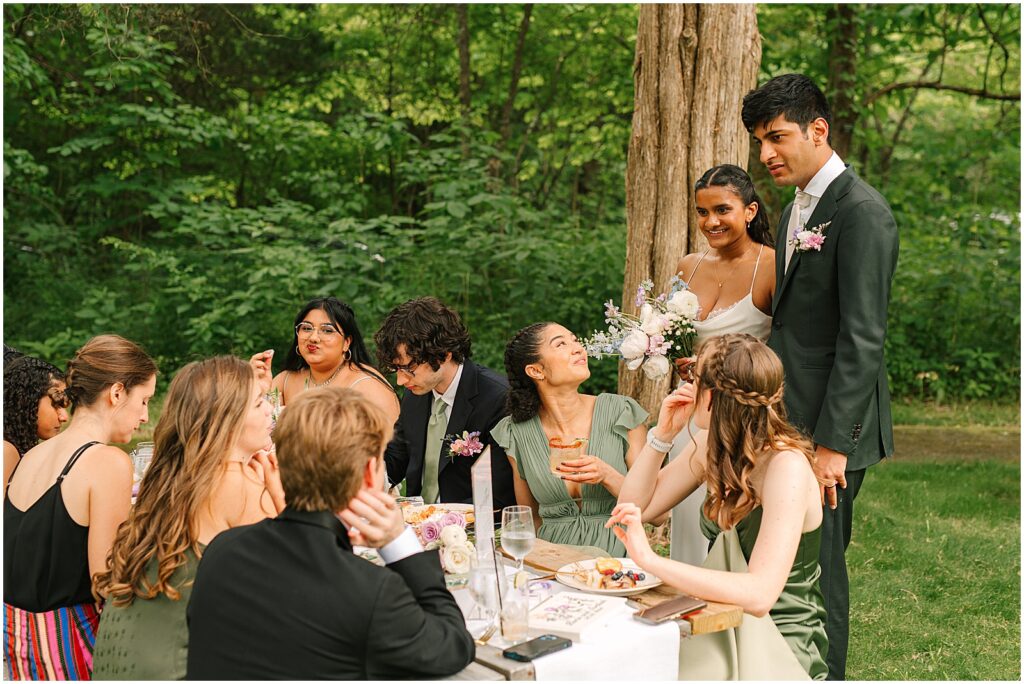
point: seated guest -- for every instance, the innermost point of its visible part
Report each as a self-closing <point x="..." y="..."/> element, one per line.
<point x="62" y="506"/>
<point x="763" y="509"/>
<point x="34" y="407"/>
<point x="204" y="479"/>
<point x="546" y="365"/>
<point x="327" y="349"/>
<point x="428" y="348"/>
<point x="287" y="599"/>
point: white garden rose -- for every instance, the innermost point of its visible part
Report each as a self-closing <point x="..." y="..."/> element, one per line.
<point x="453" y="535"/>
<point x="656" y="367"/>
<point x="634" y="346"/>
<point x="684" y="303"/>
<point x="457" y="559"/>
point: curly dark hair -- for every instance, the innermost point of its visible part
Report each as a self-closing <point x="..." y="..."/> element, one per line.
<point x="10" y="353"/>
<point x="738" y="181"/>
<point x="428" y="329"/>
<point x="26" y="381"/>
<point x="794" y="95"/>
<point x="523" y="399"/>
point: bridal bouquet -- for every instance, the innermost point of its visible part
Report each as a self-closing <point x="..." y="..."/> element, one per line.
<point x="662" y="330"/>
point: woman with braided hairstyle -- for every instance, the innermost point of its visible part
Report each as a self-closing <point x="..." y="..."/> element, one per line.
<point x="546" y="365"/>
<point x="762" y="511"/>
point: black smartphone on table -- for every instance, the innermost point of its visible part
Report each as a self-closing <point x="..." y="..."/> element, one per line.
<point x="535" y="648"/>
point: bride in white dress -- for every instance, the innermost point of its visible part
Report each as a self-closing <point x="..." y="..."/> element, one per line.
<point x="734" y="279"/>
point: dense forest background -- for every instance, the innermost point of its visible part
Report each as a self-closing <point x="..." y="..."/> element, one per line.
<point x="189" y="175"/>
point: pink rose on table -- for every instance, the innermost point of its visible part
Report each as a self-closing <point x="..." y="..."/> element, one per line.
<point x="430" y="531"/>
<point x="453" y="518"/>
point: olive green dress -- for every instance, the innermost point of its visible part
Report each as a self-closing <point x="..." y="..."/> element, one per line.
<point x="799" y="613"/>
<point x="562" y="520"/>
<point x="147" y="639"/>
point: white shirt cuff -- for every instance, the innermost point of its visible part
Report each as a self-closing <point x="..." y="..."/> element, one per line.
<point x="402" y="546"/>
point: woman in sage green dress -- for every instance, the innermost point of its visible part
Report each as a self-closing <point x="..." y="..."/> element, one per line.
<point x="546" y="365"/>
<point x="763" y="509"/>
<point x="211" y="470"/>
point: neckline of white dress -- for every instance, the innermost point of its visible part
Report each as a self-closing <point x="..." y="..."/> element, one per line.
<point x="716" y="313"/>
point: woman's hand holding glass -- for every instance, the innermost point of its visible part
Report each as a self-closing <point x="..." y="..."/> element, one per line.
<point x="627" y="525"/>
<point x="586" y="470"/>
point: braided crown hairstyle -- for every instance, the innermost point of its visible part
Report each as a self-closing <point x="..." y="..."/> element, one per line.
<point x="523" y="399"/>
<point x="740" y="184"/>
<point x="748" y="421"/>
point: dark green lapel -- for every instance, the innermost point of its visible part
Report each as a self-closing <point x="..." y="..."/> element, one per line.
<point x="823" y="213"/>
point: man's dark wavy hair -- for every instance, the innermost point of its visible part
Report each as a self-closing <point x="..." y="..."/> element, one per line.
<point x="793" y="95"/>
<point x="428" y="329"/>
<point x="26" y="381"/>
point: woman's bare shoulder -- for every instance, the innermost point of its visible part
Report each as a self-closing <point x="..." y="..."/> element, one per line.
<point x="687" y="264"/>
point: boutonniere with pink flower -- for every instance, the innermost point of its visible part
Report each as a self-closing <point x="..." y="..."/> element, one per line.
<point x="468" y="444"/>
<point x="810" y="238"/>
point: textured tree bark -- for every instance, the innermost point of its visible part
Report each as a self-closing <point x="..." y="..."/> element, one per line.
<point x="465" y="98"/>
<point x="693" y="65"/>
<point x="842" y="75"/>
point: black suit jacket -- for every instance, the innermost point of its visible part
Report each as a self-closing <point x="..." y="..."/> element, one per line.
<point x="479" y="405"/>
<point x="829" y="320"/>
<point x="286" y="599"/>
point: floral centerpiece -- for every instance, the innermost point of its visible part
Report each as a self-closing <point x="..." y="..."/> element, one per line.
<point x="661" y="331"/>
<point x="448" y="533"/>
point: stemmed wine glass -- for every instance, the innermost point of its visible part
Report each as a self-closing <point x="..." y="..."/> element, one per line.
<point x="517" y="533"/>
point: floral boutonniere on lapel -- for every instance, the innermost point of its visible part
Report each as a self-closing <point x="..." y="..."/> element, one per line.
<point x="810" y="238"/>
<point x="468" y="444"/>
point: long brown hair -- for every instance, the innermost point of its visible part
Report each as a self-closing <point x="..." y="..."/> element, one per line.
<point x="748" y="421"/>
<point x="103" y="361"/>
<point x="201" y="420"/>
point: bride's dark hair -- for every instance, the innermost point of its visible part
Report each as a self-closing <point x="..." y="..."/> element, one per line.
<point x="523" y="401"/>
<point x="736" y="179"/>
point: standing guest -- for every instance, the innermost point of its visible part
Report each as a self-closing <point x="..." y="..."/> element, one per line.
<point x="35" y="407"/>
<point x="287" y="599"/>
<point x="62" y="507"/>
<point x="546" y="365"/>
<point x="734" y="280"/>
<point x="762" y="510"/>
<point x="426" y="345"/>
<point x="204" y="479"/>
<point x="327" y="349"/>
<point x="835" y="258"/>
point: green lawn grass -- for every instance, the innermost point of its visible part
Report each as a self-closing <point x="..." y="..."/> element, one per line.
<point x="970" y="413"/>
<point x="935" y="572"/>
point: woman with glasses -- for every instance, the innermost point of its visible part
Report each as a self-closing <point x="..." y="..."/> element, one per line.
<point x="35" y="407"/>
<point x="327" y="349"/>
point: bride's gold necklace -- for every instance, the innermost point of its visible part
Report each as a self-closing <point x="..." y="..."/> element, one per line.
<point x="739" y="260"/>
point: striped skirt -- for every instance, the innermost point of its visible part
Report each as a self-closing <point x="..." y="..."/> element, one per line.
<point x="53" y="645"/>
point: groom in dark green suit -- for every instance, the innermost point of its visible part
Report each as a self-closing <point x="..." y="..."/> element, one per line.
<point x="835" y="257"/>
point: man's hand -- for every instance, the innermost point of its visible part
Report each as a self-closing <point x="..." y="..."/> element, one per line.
<point x="830" y="469"/>
<point x="373" y="519"/>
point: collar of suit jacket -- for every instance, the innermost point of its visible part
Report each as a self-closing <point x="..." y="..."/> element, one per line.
<point x="325" y="519"/>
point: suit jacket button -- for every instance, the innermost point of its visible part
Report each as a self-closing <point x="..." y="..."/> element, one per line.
<point x="777" y="325"/>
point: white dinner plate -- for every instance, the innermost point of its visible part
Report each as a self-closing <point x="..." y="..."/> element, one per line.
<point x="413" y="513"/>
<point x="566" y="577"/>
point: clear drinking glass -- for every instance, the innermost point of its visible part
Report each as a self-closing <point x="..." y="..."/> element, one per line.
<point x="483" y="587"/>
<point x="517" y="533"/>
<point x="559" y="451"/>
<point x="141" y="457"/>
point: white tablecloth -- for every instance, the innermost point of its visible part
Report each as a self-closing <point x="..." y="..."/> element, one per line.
<point x="625" y="650"/>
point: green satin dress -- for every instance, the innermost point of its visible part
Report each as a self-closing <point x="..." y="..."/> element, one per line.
<point x="147" y="639"/>
<point x="800" y="611"/>
<point x="562" y="520"/>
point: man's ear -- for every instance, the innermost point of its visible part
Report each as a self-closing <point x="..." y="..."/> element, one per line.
<point x="819" y="131"/>
<point x="534" y="372"/>
<point x="369" y="472"/>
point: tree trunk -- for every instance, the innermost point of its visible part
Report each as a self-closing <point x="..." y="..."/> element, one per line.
<point x="694" y="64"/>
<point x="513" y="83"/>
<point x="462" y="12"/>
<point x="842" y="75"/>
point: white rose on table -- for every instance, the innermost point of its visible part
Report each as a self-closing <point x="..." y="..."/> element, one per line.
<point x="656" y="367"/>
<point x="457" y="559"/>
<point x="684" y="303"/>
<point x="453" y="535"/>
<point x="633" y="348"/>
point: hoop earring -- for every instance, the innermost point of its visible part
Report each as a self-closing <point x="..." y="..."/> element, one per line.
<point x="297" y="350"/>
<point x="348" y="355"/>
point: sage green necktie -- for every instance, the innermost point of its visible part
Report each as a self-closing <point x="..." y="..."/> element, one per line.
<point x="435" y="437"/>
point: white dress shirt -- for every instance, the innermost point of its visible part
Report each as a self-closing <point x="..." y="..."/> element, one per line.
<point x="817" y="186"/>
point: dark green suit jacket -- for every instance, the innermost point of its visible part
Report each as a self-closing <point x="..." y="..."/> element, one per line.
<point x="829" y="321"/>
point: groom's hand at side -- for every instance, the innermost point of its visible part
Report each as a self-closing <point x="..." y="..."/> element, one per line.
<point x="829" y="467"/>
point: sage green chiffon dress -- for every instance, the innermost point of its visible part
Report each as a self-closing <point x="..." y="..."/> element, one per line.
<point x="562" y="520"/>
<point x="799" y="613"/>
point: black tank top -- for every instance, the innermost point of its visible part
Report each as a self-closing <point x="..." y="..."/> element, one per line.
<point x="46" y="553"/>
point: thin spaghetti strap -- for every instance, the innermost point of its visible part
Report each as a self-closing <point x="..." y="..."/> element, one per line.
<point x="694" y="272"/>
<point x="756" y="264"/>
<point x="359" y="380"/>
<point x="74" y="459"/>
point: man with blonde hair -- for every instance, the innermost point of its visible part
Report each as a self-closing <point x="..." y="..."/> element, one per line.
<point x="286" y="598"/>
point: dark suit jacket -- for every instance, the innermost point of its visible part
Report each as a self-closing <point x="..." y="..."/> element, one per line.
<point x="829" y="321"/>
<point x="479" y="405"/>
<point x="286" y="599"/>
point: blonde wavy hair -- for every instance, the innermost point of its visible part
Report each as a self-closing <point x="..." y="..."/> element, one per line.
<point x="748" y="421"/>
<point x="202" y="417"/>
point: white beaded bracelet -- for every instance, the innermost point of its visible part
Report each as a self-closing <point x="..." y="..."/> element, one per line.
<point x="657" y="444"/>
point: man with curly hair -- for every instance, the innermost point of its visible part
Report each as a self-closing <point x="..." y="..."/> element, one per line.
<point x="427" y="347"/>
